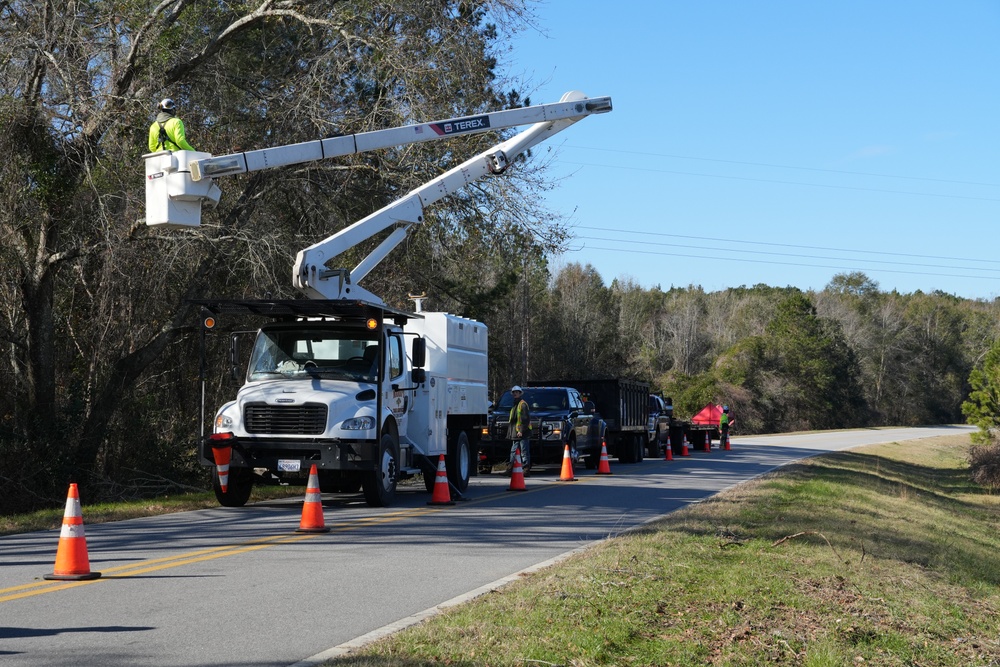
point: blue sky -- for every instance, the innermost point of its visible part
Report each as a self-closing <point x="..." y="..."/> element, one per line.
<point x="777" y="142"/>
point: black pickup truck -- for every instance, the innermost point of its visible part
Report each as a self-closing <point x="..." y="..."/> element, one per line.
<point x="559" y="417"/>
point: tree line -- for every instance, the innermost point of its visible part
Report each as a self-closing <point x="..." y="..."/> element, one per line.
<point x="783" y="359"/>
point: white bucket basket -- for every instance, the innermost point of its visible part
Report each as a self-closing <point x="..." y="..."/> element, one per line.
<point x="173" y="199"/>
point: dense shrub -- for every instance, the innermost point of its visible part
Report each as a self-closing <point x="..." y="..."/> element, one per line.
<point x="984" y="465"/>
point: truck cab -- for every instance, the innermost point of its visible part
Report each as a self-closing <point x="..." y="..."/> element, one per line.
<point x="351" y="395"/>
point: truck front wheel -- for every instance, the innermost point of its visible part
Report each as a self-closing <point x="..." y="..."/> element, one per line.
<point x="379" y="485"/>
<point x="238" y="490"/>
<point x="459" y="461"/>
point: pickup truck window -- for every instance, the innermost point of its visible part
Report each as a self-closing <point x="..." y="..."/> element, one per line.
<point x="539" y="399"/>
<point x="546" y="399"/>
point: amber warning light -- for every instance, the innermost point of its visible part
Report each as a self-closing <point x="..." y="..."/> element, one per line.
<point x="372" y="324"/>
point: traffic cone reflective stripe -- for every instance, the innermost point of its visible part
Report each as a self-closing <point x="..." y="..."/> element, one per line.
<point x="517" y="473"/>
<point x="222" y="456"/>
<point x="567" y="467"/>
<point x="442" y="492"/>
<point x="604" y="467"/>
<point x="312" y="508"/>
<point x="668" y="454"/>
<point x="72" y="560"/>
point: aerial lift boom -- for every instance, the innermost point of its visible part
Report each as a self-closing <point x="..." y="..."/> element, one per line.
<point x="178" y="183"/>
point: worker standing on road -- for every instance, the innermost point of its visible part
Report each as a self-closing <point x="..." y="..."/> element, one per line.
<point x="167" y="131"/>
<point x="519" y="430"/>
<point x="723" y="426"/>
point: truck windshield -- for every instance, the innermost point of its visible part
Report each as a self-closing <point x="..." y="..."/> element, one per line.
<point x="300" y="354"/>
<point x="537" y="399"/>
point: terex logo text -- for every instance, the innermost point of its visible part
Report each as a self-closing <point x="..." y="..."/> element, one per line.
<point x="458" y="126"/>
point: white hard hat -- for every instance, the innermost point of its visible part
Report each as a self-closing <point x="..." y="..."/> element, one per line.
<point x="516" y="387"/>
<point x="167" y="104"/>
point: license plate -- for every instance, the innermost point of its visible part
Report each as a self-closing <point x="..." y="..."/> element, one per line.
<point x="289" y="465"/>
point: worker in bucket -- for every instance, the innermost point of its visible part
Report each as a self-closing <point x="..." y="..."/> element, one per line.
<point x="167" y="131"/>
<point x="519" y="430"/>
<point x="724" y="426"/>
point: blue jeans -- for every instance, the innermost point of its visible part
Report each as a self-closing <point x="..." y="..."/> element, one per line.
<point x="525" y="445"/>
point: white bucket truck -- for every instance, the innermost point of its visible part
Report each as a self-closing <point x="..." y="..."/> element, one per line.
<point x="368" y="393"/>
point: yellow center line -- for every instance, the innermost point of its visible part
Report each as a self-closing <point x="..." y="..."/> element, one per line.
<point x="41" y="587"/>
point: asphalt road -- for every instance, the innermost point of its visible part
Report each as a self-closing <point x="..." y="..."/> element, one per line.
<point x="227" y="587"/>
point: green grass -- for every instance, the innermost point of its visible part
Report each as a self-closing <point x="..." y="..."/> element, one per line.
<point x="886" y="555"/>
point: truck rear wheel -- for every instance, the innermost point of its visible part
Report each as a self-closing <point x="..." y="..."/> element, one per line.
<point x="593" y="460"/>
<point x="379" y="485"/>
<point x="238" y="490"/>
<point x="625" y="446"/>
<point x="459" y="461"/>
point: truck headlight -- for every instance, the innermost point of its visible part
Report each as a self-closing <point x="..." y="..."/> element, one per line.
<point x="358" y="424"/>
<point x="223" y="423"/>
<point x="552" y="430"/>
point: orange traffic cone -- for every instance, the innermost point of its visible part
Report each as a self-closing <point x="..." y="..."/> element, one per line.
<point x="668" y="454"/>
<point x="517" y="474"/>
<point x="684" y="446"/>
<point x="72" y="561"/>
<point x="727" y="442"/>
<point x="312" y="508"/>
<point x="708" y="442"/>
<point x="222" y="455"/>
<point x="567" y="467"/>
<point x="442" y="493"/>
<point x="604" y="468"/>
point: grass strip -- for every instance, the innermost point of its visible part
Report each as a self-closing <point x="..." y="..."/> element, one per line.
<point x="885" y="555"/>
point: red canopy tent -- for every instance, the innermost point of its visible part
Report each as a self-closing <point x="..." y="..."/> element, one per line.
<point x="708" y="415"/>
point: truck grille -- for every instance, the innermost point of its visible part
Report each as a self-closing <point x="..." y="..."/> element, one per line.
<point x="308" y="419"/>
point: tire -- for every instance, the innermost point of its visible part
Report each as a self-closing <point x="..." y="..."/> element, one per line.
<point x="626" y="449"/>
<point x="379" y="485"/>
<point x="653" y="449"/>
<point x="640" y="448"/>
<point x="591" y="461"/>
<point x="459" y="461"/>
<point x="240" y="485"/>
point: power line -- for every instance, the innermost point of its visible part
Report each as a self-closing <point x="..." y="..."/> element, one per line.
<point x="785" y="245"/>
<point x="771" y="180"/>
<point x="778" y="254"/>
<point x="784" y="166"/>
<point x="813" y="266"/>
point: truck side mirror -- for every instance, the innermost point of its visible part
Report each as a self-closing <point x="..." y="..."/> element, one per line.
<point x="419" y="353"/>
<point x="418" y="376"/>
